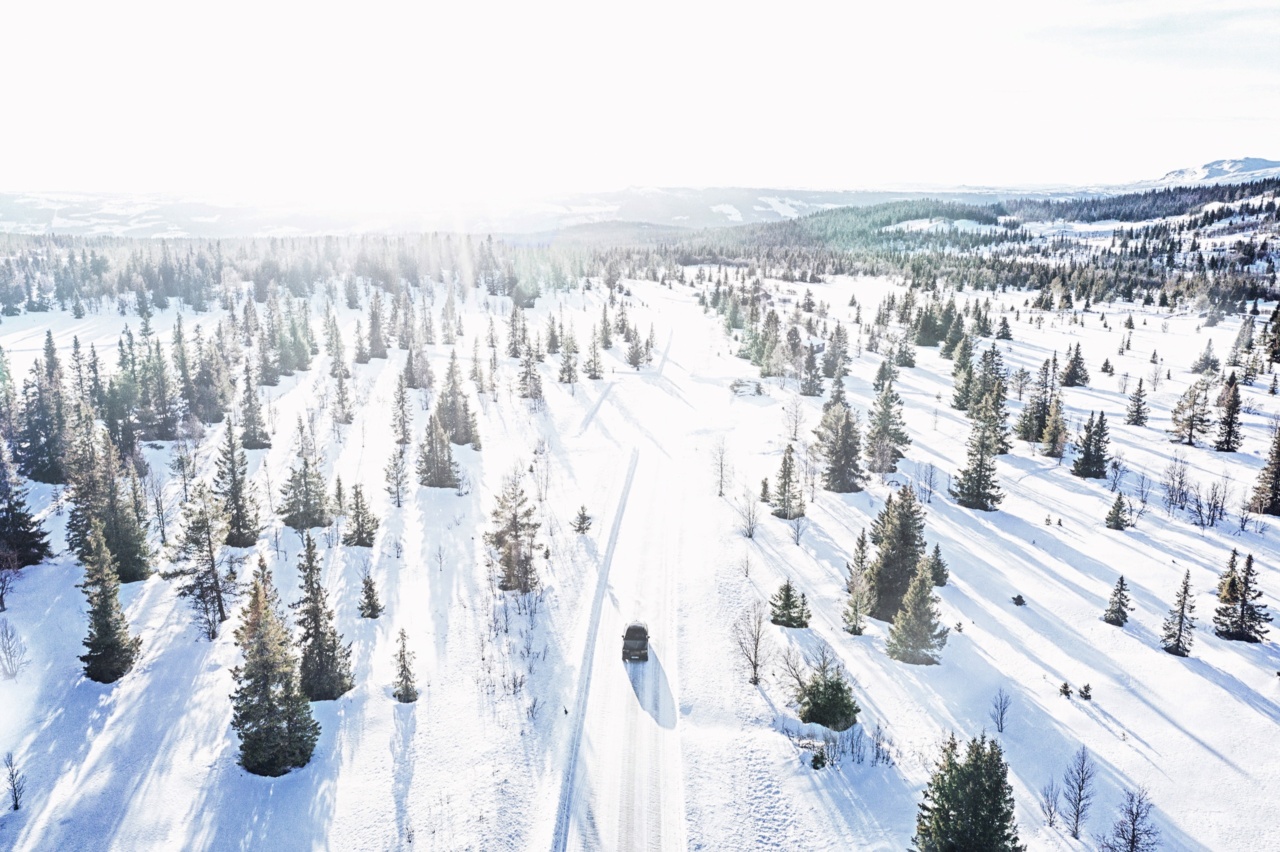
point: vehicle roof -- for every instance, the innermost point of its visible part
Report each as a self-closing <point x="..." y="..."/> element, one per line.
<point x="639" y="624"/>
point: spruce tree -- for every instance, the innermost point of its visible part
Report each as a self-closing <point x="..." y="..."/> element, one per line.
<point x="1035" y="414"/>
<point x="406" y="689"/>
<point x="270" y="713"/>
<point x="454" y="410"/>
<point x="582" y="522"/>
<point x="898" y="534"/>
<point x="568" y="368"/>
<point x="1179" y="627"/>
<point x="435" y="467"/>
<point x="400" y="417"/>
<point x="1118" y="517"/>
<point x="370" y="606"/>
<point x="1229" y="436"/>
<point x="207" y="575"/>
<point x="1137" y="411"/>
<point x="593" y="367"/>
<point x="254" y="435"/>
<point x="1053" y="441"/>
<point x="1074" y="373"/>
<point x="916" y="635"/>
<point x="886" y="432"/>
<point x="840" y="444"/>
<point x="1266" y="493"/>
<point x="1191" y="415"/>
<point x="513" y="537"/>
<point x="342" y="413"/>
<point x="305" y="499"/>
<point x="860" y="602"/>
<point x="363" y="525"/>
<point x="396" y="474"/>
<point x="811" y="377"/>
<point x="1239" y="616"/>
<point x="1118" y="606"/>
<point x="111" y="651"/>
<point x="788" y="609"/>
<point x="975" y="487"/>
<point x="968" y="806"/>
<point x="788" y="496"/>
<point x="20" y="533"/>
<point x="326" y="662"/>
<point x="937" y="566"/>
<point x="41" y="450"/>
<point x="1091" y="463"/>
<point x="231" y="485"/>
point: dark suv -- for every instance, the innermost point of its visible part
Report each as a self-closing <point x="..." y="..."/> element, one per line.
<point x="635" y="642"/>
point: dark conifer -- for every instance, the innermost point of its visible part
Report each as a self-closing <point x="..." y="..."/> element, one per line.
<point x="1229" y="436"/>
<point x="512" y="537"/>
<point x="886" y="432"/>
<point x="975" y="487"/>
<point x="1118" y="517"/>
<point x="363" y="524"/>
<point x="840" y="443"/>
<point x="208" y="576"/>
<point x="254" y="435"/>
<point x="1118" y="607"/>
<point x="111" y="651"/>
<point x="326" y="662"/>
<point x="436" y="468"/>
<point x="1239" y="616"/>
<point x="1179" y="627"/>
<point x="787" y="608"/>
<point x="406" y="689"/>
<point x="916" y="635"/>
<point x="788" y="496"/>
<point x="1137" y="411"/>
<point x="969" y="805"/>
<point x="231" y="485"/>
<point x="370" y="606"/>
<point x="898" y="534"/>
<point x="20" y="533"/>
<point x="269" y="711"/>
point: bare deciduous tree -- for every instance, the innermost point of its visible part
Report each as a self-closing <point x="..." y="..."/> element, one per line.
<point x="720" y="465"/>
<point x="1049" y="803"/>
<point x="795" y="674"/>
<point x="1077" y="790"/>
<point x="1000" y="704"/>
<point x="1116" y="471"/>
<point x="748" y="513"/>
<point x="794" y="413"/>
<point x="798" y="526"/>
<point x="13" y="651"/>
<point x="1133" y="830"/>
<point x="749" y="634"/>
<point x="9" y="569"/>
<point x="929" y="481"/>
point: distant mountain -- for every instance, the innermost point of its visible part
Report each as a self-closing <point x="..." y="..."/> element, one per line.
<point x="1223" y="171"/>
<point x="566" y="218"/>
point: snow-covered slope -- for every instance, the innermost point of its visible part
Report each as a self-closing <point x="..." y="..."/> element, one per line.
<point x="531" y="733"/>
<point x="1224" y="171"/>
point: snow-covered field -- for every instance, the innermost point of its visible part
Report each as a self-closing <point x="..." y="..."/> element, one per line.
<point x="531" y="733"/>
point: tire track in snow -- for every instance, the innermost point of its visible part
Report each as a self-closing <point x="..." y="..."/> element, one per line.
<point x="586" y="421"/>
<point x="561" y="837"/>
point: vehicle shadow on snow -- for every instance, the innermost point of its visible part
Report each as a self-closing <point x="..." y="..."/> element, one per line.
<point x="653" y="691"/>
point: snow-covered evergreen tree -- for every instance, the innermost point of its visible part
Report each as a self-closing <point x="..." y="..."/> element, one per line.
<point x="20" y="533"/>
<point x="788" y="495"/>
<point x="207" y="575"/>
<point x="326" y="662"/>
<point x="1190" y="416"/>
<point x="110" y="650"/>
<point x="840" y="445"/>
<point x="1137" y="411"/>
<point x="975" y="487"/>
<point x="916" y="635"/>
<point x="362" y="526"/>
<point x="1118" y="606"/>
<point x="406" y="688"/>
<point x="1179" y="626"/>
<point x="886" y="432"/>
<point x="898" y="534"/>
<point x="1229" y="435"/>
<point x="787" y="608"/>
<point x="370" y="605"/>
<point x="1239" y="615"/>
<point x="436" y="467"/>
<point x="231" y="485"/>
<point x="968" y="805"/>
<point x="270" y="713"/>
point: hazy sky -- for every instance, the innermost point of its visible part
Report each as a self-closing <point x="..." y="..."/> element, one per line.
<point x="412" y="106"/>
